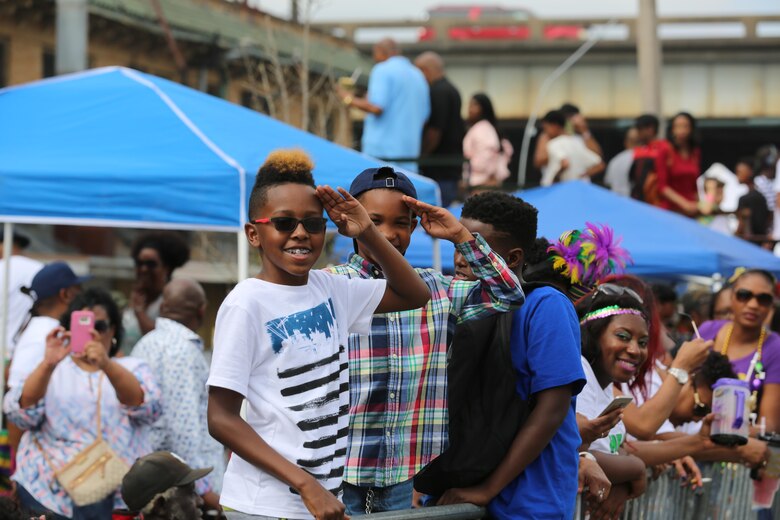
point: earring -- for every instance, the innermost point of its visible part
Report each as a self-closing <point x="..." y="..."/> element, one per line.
<point x="113" y="341"/>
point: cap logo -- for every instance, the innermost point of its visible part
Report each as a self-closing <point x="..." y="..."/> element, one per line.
<point x="389" y="182"/>
<point x="175" y="456"/>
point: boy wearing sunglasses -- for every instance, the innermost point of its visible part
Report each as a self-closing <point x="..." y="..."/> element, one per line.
<point x="398" y="386"/>
<point x="280" y="342"/>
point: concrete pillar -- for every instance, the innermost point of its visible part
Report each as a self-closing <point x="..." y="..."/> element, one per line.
<point x="648" y="50"/>
<point x="72" y="36"/>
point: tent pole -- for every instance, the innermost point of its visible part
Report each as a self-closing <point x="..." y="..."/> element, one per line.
<point x="8" y="240"/>
<point x="243" y="256"/>
<point x="436" y="254"/>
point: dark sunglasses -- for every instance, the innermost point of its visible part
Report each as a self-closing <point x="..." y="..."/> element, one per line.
<point x="612" y="289"/>
<point x="149" y="264"/>
<point x="290" y="224"/>
<point x="763" y="299"/>
<point x="102" y="326"/>
<point x="699" y="409"/>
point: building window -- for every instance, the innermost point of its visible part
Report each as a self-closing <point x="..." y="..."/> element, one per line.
<point x="3" y="63"/>
<point x="255" y="102"/>
<point x="49" y="67"/>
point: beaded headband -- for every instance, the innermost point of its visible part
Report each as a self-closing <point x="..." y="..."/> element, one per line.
<point x="606" y="312"/>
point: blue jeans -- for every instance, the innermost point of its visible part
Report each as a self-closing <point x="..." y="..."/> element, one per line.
<point x="97" y="511"/>
<point x="363" y="499"/>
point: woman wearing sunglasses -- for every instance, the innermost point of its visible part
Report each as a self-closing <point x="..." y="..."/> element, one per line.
<point x="750" y="346"/>
<point x="156" y="255"/>
<point x="57" y="405"/>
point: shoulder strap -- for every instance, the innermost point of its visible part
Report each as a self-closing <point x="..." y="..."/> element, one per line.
<point x="99" y="396"/>
<point x="34" y="436"/>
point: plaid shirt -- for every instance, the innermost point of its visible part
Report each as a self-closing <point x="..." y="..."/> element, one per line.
<point x="398" y="374"/>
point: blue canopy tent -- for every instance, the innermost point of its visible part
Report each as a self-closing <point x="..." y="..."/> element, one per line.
<point x="662" y="244"/>
<point x="114" y="146"/>
<point x="121" y="148"/>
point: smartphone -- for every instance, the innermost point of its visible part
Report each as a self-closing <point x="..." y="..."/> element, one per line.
<point x="618" y="402"/>
<point x="82" y="323"/>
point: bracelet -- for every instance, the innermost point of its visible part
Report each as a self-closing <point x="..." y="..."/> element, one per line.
<point x="587" y="455"/>
<point x="348" y="100"/>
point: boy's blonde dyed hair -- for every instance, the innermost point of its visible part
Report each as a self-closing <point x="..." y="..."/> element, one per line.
<point x="288" y="160"/>
<point x="287" y="165"/>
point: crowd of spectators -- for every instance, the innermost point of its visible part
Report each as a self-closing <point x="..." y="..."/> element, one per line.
<point x="372" y="386"/>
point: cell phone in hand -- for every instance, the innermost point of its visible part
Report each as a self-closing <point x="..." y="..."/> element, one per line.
<point x="82" y="323"/>
<point x="617" y="403"/>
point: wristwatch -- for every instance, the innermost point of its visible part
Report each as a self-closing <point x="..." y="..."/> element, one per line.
<point x="679" y="374"/>
<point x="588" y="455"/>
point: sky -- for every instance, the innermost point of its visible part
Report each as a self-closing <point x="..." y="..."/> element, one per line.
<point x="344" y="10"/>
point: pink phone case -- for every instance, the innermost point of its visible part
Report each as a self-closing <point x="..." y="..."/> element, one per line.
<point x="82" y="323"/>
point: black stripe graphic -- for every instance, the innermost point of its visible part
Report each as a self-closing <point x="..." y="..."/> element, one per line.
<point x="320" y="401"/>
<point x="296" y="371"/>
<point x="319" y="462"/>
<point x="311" y="385"/>
<point x="320" y="422"/>
<point x="334" y="491"/>
<point x="334" y="473"/>
<point x="326" y="441"/>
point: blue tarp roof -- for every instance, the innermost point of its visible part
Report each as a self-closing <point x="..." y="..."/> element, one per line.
<point x="118" y="147"/>
<point x="662" y="243"/>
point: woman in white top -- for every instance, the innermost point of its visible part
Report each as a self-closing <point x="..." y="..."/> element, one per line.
<point x="487" y="152"/>
<point x="615" y="336"/>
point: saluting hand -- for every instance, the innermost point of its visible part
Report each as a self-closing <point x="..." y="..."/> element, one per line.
<point x="345" y="211"/>
<point x="438" y="222"/>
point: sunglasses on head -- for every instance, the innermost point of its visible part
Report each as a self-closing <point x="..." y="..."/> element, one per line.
<point x="290" y="224"/>
<point x="763" y="299"/>
<point x="699" y="409"/>
<point x="149" y="264"/>
<point x="612" y="289"/>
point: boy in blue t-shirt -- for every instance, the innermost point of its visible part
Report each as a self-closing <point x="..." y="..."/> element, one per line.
<point x="538" y="476"/>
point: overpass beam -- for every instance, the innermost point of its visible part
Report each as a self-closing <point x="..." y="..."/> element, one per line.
<point x="648" y="48"/>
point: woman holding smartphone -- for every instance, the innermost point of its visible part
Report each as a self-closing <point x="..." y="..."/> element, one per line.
<point x="57" y="405"/>
<point x="615" y="337"/>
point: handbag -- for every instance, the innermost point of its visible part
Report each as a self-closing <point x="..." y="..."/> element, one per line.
<point x="95" y="472"/>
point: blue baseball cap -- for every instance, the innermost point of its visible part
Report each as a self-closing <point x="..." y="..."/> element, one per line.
<point x="51" y="279"/>
<point x="382" y="178"/>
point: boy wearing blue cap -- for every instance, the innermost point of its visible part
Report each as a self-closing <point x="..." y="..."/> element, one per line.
<point x="397" y="372"/>
<point x="52" y="290"/>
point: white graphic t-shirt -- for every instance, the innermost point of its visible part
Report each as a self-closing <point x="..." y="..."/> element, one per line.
<point x="284" y="349"/>
<point x="591" y="402"/>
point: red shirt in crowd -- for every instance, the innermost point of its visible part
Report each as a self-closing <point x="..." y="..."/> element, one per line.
<point x="679" y="173"/>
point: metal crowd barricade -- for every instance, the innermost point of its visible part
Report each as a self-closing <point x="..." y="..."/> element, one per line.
<point x="727" y="495"/>
<point x="456" y="512"/>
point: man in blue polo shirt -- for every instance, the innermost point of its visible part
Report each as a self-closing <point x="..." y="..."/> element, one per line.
<point x="397" y="106"/>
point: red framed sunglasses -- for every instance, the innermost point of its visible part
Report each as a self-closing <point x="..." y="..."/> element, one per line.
<point x="290" y="224"/>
